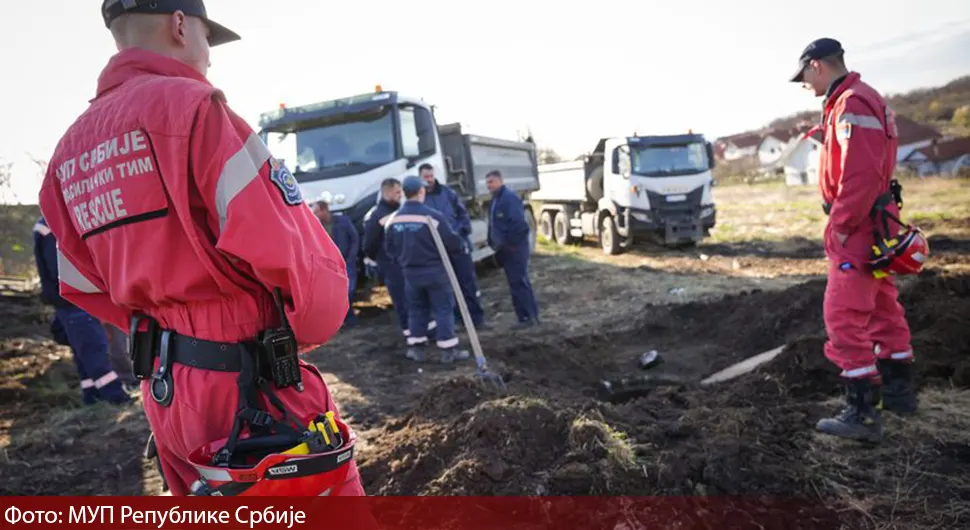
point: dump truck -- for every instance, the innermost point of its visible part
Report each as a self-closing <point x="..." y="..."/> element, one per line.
<point x="341" y="150"/>
<point x="652" y="187"/>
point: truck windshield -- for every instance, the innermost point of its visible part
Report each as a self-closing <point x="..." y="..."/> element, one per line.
<point x="669" y="160"/>
<point x="338" y="145"/>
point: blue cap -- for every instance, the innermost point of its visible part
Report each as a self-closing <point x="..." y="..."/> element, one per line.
<point x="218" y="34"/>
<point x="818" y="49"/>
<point x="411" y="185"/>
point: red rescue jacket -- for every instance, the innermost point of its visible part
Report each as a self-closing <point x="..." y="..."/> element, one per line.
<point x="165" y="202"/>
<point x="857" y="163"/>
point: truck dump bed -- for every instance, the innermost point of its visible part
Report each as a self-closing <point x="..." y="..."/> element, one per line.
<point x="562" y="182"/>
<point x="469" y="158"/>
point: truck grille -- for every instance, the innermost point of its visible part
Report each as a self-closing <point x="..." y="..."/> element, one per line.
<point x="689" y="207"/>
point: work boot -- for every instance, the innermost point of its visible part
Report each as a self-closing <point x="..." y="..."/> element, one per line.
<point x="114" y="393"/>
<point x="450" y="355"/>
<point x="859" y="420"/>
<point x="898" y="393"/>
<point x="416" y="352"/>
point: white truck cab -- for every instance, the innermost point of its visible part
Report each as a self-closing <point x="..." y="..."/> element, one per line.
<point x="341" y="150"/>
<point x="628" y="187"/>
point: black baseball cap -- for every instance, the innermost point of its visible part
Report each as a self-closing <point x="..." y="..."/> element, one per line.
<point x="818" y="49"/>
<point x="218" y="34"/>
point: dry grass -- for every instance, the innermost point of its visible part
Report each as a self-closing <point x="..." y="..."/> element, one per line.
<point x="904" y="481"/>
<point x="774" y="211"/>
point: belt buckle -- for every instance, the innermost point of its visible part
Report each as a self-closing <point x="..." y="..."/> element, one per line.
<point x="161" y="384"/>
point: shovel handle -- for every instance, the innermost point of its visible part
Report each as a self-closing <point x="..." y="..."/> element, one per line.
<point x="466" y="318"/>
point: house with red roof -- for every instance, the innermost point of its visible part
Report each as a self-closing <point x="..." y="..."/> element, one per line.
<point x="737" y="146"/>
<point x="941" y="157"/>
<point x="913" y="136"/>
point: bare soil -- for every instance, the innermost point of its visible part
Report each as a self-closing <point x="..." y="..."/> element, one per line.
<point x="433" y="430"/>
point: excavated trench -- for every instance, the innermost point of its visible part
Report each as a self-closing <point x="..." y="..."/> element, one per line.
<point x="751" y="436"/>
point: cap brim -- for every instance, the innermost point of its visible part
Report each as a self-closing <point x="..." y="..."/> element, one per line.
<point x="219" y="34"/>
<point x="799" y="75"/>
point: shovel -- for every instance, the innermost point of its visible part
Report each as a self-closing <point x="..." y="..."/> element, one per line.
<point x="483" y="371"/>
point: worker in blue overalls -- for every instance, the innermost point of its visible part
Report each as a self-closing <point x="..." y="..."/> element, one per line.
<point x="446" y="201"/>
<point x="74" y="326"/>
<point x="410" y="242"/>
<point x="508" y="235"/>
<point x="341" y="230"/>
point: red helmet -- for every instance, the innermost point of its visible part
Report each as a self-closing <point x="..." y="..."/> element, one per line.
<point x="902" y="255"/>
<point x="315" y="464"/>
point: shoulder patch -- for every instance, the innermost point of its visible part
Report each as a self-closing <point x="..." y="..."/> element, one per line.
<point x="843" y="131"/>
<point x="283" y="179"/>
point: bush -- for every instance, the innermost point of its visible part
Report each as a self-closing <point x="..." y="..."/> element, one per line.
<point x="961" y="116"/>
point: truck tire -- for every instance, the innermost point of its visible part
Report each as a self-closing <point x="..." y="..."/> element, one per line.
<point x="594" y="184"/>
<point x="609" y="238"/>
<point x="560" y="229"/>
<point x="545" y="225"/>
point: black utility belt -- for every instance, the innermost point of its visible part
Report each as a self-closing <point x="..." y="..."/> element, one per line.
<point x="894" y="195"/>
<point x="274" y="355"/>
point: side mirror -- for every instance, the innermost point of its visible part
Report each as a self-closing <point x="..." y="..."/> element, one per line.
<point x="622" y="157"/>
<point x="710" y="156"/>
<point x="425" y="128"/>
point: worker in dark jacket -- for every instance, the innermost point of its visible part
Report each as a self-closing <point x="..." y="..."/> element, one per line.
<point x="390" y="272"/>
<point x="84" y="333"/>
<point x="410" y="242"/>
<point x="446" y="201"/>
<point x="341" y="230"/>
<point x="508" y="235"/>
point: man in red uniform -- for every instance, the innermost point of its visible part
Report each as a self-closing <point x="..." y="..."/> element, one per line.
<point x="869" y="338"/>
<point x="174" y="221"/>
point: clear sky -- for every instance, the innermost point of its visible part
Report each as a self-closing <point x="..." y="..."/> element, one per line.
<point x="573" y="72"/>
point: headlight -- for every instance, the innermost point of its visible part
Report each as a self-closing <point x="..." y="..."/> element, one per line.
<point x="339" y="198"/>
<point x="641" y="217"/>
<point x="707" y="212"/>
<point x="326" y="197"/>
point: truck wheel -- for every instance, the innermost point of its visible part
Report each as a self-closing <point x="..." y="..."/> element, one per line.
<point x="560" y="229"/>
<point x="545" y="225"/>
<point x="530" y="220"/>
<point x="609" y="239"/>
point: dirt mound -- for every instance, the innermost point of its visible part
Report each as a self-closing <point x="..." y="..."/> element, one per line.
<point x="492" y="448"/>
<point x="451" y="397"/>
<point x="25" y="317"/>
<point x="937" y="307"/>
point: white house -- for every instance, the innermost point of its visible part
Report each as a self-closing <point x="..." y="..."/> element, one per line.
<point x="770" y="149"/>
<point x="940" y="157"/>
<point x="777" y="143"/>
<point x="801" y="160"/>
<point x="739" y="146"/>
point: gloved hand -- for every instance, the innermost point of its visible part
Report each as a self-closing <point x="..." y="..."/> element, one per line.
<point x="371" y="269"/>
